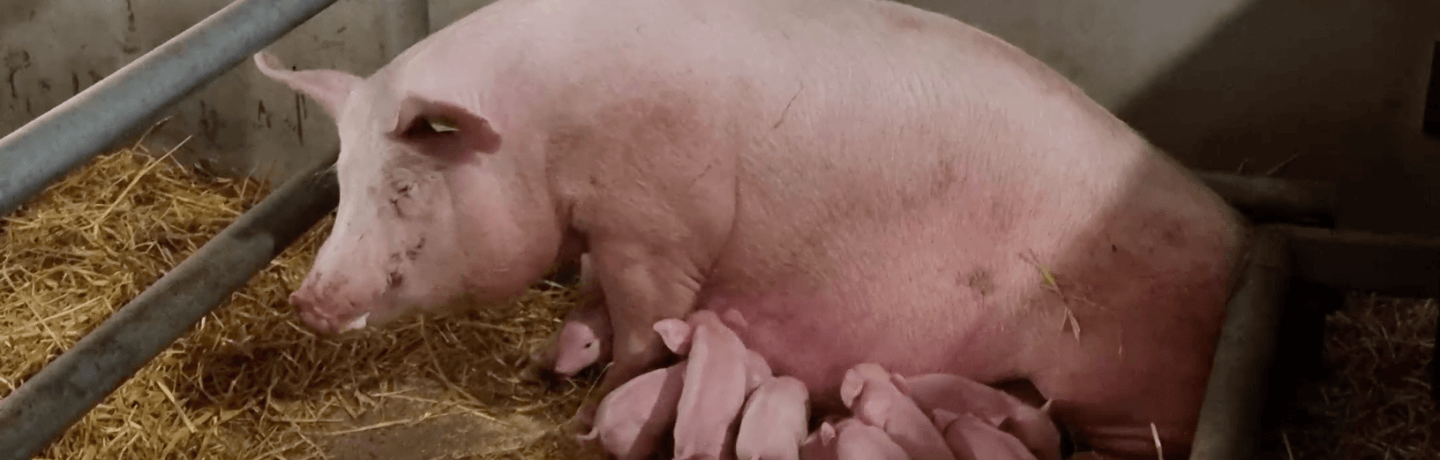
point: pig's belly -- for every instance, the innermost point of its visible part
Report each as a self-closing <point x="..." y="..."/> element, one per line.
<point x="1146" y="286"/>
<point x="817" y="333"/>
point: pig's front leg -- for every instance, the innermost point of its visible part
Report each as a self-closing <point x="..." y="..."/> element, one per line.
<point x="642" y="284"/>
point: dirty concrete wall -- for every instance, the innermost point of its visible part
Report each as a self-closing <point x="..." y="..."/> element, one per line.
<point x="239" y="123"/>
<point x="1328" y="90"/>
<point x="1218" y="83"/>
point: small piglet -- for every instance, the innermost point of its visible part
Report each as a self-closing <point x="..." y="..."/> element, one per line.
<point x="819" y="444"/>
<point x="584" y="339"/>
<point x="974" y="439"/>
<point x="851" y="439"/>
<point x="719" y="377"/>
<point x="632" y="420"/>
<point x="856" y="440"/>
<point x="960" y="395"/>
<point x="876" y="397"/>
<point x="773" y="421"/>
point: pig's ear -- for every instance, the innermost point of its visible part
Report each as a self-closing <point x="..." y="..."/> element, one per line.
<point x="676" y="335"/>
<point x="442" y="129"/>
<point x="851" y="387"/>
<point x="1047" y="407"/>
<point x="329" y="88"/>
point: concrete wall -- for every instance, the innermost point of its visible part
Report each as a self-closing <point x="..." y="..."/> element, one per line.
<point x="1216" y="82"/>
<point x="241" y="122"/>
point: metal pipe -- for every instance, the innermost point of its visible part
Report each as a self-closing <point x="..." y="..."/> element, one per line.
<point x="1269" y="200"/>
<point x="1396" y="265"/>
<point x="406" y="22"/>
<point x="1235" y="395"/>
<point x="49" y="147"/>
<point x="63" y="391"/>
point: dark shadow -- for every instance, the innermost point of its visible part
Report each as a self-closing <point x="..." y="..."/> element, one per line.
<point x="1340" y="83"/>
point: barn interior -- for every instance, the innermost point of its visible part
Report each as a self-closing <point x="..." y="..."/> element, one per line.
<point x="1344" y="93"/>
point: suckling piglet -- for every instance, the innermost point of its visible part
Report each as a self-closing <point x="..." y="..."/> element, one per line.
<point x="773" y="421"/>
<point x="631" y="421"/>
<point x="874" y="395"/>
<point x="971" y="438"/>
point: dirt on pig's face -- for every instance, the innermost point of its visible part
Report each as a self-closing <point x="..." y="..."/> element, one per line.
<point x="434" y="213"/>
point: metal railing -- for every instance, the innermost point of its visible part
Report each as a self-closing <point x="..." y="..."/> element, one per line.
<point x="51" y="146"/>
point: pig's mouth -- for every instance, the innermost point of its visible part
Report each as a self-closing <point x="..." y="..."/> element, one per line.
<point x="334" y="323"/>
<point x="341" y="320"/>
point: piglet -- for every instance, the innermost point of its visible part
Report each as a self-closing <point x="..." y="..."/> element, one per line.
<point x="676" y="336"/>
<point x="632" y="420"/>
<point x="720" y="376"/>
<point x="961" y="395"/>
<point x="819" y="444"/>
<point x="974" y="439"/>
<point x="856" y="440"/>
<point x="874" y="395"/>
<point x="584" y="339"/>
<point x="773" y="421"/>
<point x="851" y="439"/>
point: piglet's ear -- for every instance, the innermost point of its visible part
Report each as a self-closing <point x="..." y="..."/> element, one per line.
<point x="329" y="88"/>
<point x="443" y="129"/>
<point x="851" y="387"/>
<point x="675" y="334"/>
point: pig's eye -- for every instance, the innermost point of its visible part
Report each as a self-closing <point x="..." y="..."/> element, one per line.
<point x="424" y="127"/>
<point x="589" y="345"/>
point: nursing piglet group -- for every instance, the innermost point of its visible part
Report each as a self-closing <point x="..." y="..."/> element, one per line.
<point x="933" y="416"/>
<point x="722" y="401"/>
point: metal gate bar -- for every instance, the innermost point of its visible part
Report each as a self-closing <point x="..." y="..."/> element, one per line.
<point x="65" y="389"/>
<point x="65" y="137"/>
<point x="47" y="148"/>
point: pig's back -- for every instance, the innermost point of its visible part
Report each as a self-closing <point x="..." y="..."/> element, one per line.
<point x="905" y="186"/>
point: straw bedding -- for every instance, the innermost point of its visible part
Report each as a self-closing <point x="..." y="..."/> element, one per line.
<point x="1372" y="400"/>
<point x="249" y="381"/>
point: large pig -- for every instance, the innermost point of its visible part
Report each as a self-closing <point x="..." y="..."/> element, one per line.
<point x="866" y="181"/>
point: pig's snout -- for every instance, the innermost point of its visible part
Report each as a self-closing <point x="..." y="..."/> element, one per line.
<point x="317" y="314"/>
